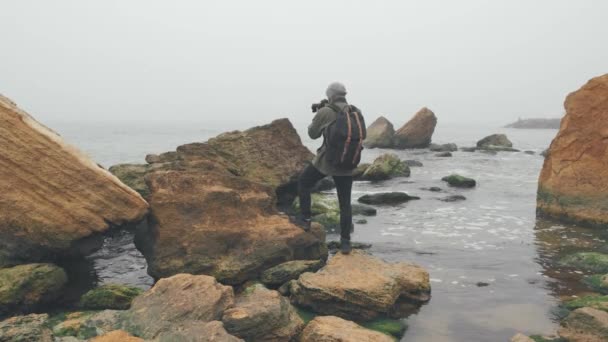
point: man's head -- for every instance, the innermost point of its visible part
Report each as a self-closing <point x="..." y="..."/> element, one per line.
<point x="335" y="90"/>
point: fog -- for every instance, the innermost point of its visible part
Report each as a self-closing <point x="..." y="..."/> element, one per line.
<point x="230" y="61"/>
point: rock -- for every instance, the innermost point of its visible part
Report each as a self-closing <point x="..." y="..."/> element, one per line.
<point x="468" y="149"/>
<point x="213" y="331"/>
<point x="530" y="152"/>
<point x="413" y="163"/>
<point x="494" y="141"/>
<point x="545" y="153"/>
<point x="443" y="148"/>
<point x="175" y="303"/>
<point x="358" y="173"/>
<point x="418" y="132"/>
<point x="117" y="336"/>
<point x="591" y="301"/>
<point x="598" y="282"/>
<point x="334" y="246"/>
<point x="110" y="296"/>
<point x="86" y="325"/>
<point x="453" y="198"/>
<point x="260" y="314"/>
<point x="443" y="154"/>
<point x="385" y="167"/>
<point x="535" y="124"/>
<point x="380" y="134"/>
<point x="133" y="176"/>
<point x="361" y="221"/>
<point x="387" y="198"/>
<point x="433" y="189"/>
<point x="574" y="176"/>
<point x="588" y="261"/>
<point x="28" y="328"/>
<point x="54" y="200"/>
<point x="167" y="157"/>
<point x="287" y="271"/>
<point x="364" y="210"/>
<point x="459" y="181"/>
<point x="585" y="324"/>
<point x="335" y="329"/>
<point x="324" y="184"/>
<point x="25" y="288"/>
<point x="521" y="338"/>
<point x="360" y="286"/>
<point x="221" y="225"/>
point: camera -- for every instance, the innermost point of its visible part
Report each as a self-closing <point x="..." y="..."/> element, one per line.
<point x="316" y="106"/>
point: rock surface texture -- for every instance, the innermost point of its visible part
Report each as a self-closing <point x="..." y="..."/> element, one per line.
<point x="335" y="329"/>
<point x="360" y="286"/>
<point x="52" y="196"/>
<point x="385" y="167"/>
<point x="418" y="132"/>
<point x="380" y="134"/>
<point x="28" y="328"/>
<point x="585" y="325"/>
<point x="573" y="184"/>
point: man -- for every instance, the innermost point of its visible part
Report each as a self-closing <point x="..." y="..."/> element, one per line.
<point x="325" y="165"/>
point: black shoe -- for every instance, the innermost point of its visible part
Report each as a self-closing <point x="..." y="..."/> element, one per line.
<point x="345" y="247"/>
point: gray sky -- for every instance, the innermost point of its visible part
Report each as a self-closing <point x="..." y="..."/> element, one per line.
<point x="467" y="60"/>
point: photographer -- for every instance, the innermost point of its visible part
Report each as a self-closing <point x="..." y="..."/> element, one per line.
<point x="343" y="130"/>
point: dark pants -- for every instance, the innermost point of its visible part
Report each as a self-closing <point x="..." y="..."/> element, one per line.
<point x="344" y="184"/>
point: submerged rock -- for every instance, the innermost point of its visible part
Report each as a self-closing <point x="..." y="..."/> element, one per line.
<point x="385" y="167"/>
<point x="290" y="270"/>
<point x="495" y="141"/>
<point x="25" y="288"/>
<point x="260" y="314"/>
<point x="380" y="134"/>
<point x="585" y="324"/>
<point x="589" y="261"/>
<point x="574" y="176"/>
<point x="335" y="329"/>
<point x="30" y="328"/>
<point x="54" y="200"/>
<point x="468" y="149"/>
<point x="433" y="189"/>
<point x="110" y="296"/>
<point x="360" y="286"/>
<point x="387" y="198"/>
<point x="443" y="154"/>
<point x="413" y="163"/>
<point x="459" y="181"/>
<point x="453" y="198"/>
<point x="418" y="132"/>
<point x="443" y="148"/>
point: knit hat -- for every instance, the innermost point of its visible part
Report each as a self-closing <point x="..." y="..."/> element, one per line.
<point x="336" y="89"/>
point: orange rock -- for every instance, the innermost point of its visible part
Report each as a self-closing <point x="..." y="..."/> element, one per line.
<point x="380" y="134"/>
<point x="573" y="183"/>
<point x="117" y="336"/>
<point x="51" y="194"/>
<point x="335" y="329"/>
<point x="418" y="132"/>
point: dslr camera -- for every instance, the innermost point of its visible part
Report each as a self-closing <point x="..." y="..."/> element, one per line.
<point x="316" y="106"/>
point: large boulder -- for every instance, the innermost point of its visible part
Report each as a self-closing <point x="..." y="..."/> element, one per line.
<point x="272" y="154"/>
<point x="494" y="141"/>
<point x="380" y="134"/>
<point x="361" y="287"/>
<point x="260" y="314"/>
<point x="585" y="325"/>
<point x="418" y="132"/>
<point x="459" y="181"/>
<point x="280" y="274"/>
<point x="213" y="331"/>
<point x="575" y="172"/>
<point x="335" y="329"/>
<point x="25" y="288"/>
<point x="385" y="167"/>
<point x="219" y="224"/>
<point x="54" y="200"/>
<point x="175" y="303"/>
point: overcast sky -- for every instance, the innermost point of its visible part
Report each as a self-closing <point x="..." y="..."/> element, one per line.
<point x="467" y="60"/>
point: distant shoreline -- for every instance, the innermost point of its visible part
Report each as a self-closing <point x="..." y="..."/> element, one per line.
<point x="553" y="123"/>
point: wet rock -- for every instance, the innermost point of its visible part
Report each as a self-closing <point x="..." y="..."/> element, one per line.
<point x="360" y="286"/>
<point x="598" y="282"/>
<point x="521" y="338"/>
<point x="25" y="288"/>
<point x="387" y="198"/>
<point x="530" y="152"/>
<point x="364" y="210"/>
<point x="545" y="153"/>
<point x="418" y="132"/>
<point x="287" y="271"/>
<point x="588" y="261"/>
<point x="53" y="198"/>
<point x="385" y="167"/>
<point x="495" y="141"/>
<point x="413" y="163"/>
<point x="443" y="148"/>
<point x="334" y="246"/>
<point x="110" y="296"/>
<point x="361" y="221"/>
<point x="326" y="211"/>
<point x="468" y="149"/>
<point x="28" y="328"/>
<point x="260" y="314"/>
<point x="574" y="176"/>
<point x="482" y="284"/>
<point x="433" y="189"/>
<point x="585" y="324"/>
<point x="591" y="301"/>
<point x="324" y="184"/>
<point x="459" y="181"/>
<point x="175" y="303"/>
<point x="221" y="225"/>
<point x="117" y="336"/>
<point x="335" y="329"/>
<point x="213" y="331"/>
<point x="380" y="134"/>
<point x="358" y="173"/>
<point x="453" y="198"/>
<point x="443" y="154"/>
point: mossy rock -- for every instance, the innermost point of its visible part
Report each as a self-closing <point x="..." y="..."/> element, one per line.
<point x="326" y="210"/>
<point x="391" y="327"/>
<point x="596" y="302"/>
<point x="24" y="288"/>
<point x="360" y="170"/>
<point x="385" y="167"/>
<point x="330" y="220"/>
<point x="290" y="270"/>
<point x="598" y="282"/>
<point x="321" y="204"/>
<point x="459" y="181"/>
<point x="110" y="296"/>
<point x="588" y="261"/>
